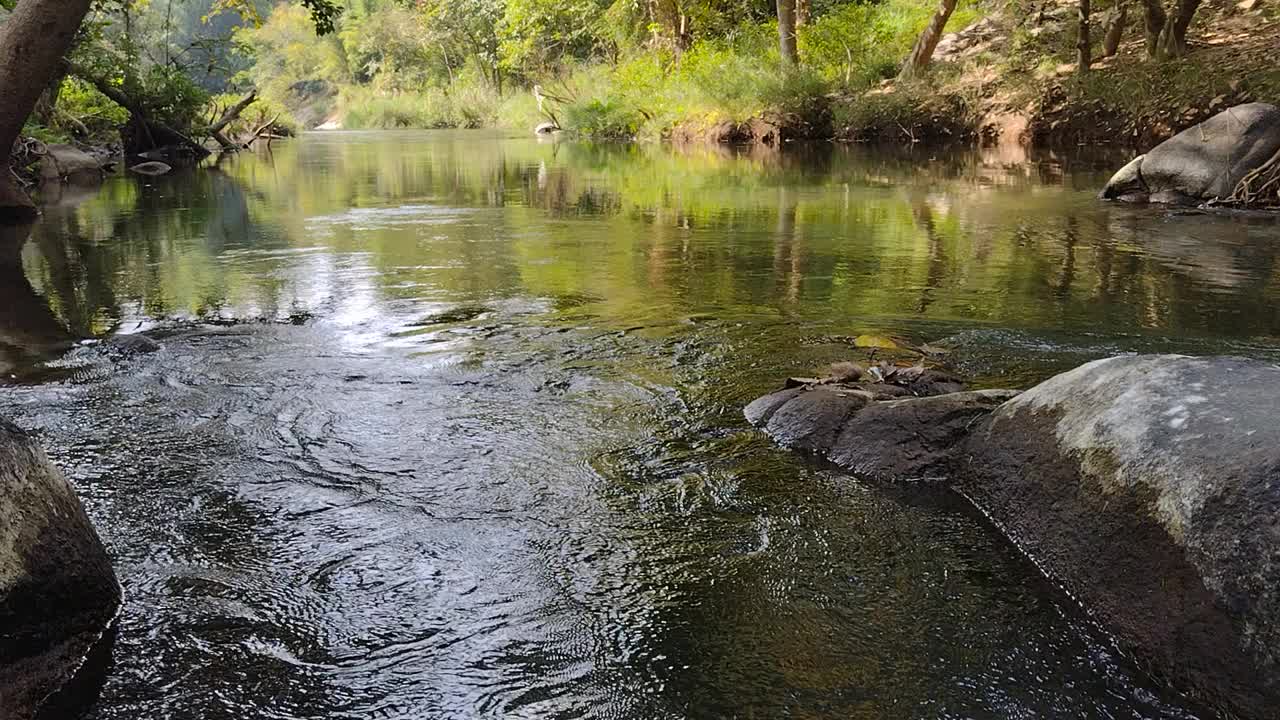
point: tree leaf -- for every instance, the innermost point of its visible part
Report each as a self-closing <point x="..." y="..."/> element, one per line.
<point x="876" y="341"/>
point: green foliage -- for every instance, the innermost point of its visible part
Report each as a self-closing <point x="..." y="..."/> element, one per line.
<point x="537" y="35"/>
<point x="171" y="97"/>
<point x="323" y="13"/>
<point x="80" y="100"/>
<point x="464" y="105"/>
<point x="45" y="134"/>
<point x="292" y="67"/>
<point x="390" y="50"/>
<point x="605" y="119"/>
<point x="857" y="45"/>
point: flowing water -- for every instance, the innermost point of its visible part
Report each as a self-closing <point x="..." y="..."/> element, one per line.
<point x="447" y="425"/>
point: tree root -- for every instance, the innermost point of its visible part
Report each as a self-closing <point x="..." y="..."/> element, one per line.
<point x="15" y="205"/>
<point x="1260" y="188"/>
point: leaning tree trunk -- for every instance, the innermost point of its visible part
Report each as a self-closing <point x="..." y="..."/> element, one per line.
<point x="918" y="61"/>
<point x="233" y="112"/>
<point x="1084" y="48"/>
<point x="787" y="32"/>
<point x="32" y="42"/>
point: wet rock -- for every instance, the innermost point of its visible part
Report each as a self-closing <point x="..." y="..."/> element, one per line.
<point x="462" y="313"/>
<point x="1205" y="162"/>
<point x="58" y="593"/>
<point x="152" y="168"/>
<point x="914" y="438"/>
<point x="762" y="408"/>
<point x="1149" y="486"/>
<point x="129" y="345"/>
<point x="67" y="163"/>
<point x="812" y="419"/>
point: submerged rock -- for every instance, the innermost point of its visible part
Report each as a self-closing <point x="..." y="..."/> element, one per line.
<point x="129" y="345"/>
<point x="152" y="168"/>
<point x="1147" y="486"/>
<point x="1203" y="163"/>
<point x="58" y="593"/>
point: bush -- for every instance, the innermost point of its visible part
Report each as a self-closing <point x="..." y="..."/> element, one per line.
<point x="465" y="104"/>
<point x="604" y="120"/>
<point x="82" y="101"/>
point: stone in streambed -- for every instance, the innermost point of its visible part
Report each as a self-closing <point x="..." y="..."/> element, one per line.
<point x="913" y="438"/>
<point x="812" y="419"/>
<point x="1205" y="162"/>
<point x="1149" y="486"/>
<point x="67" y="163"/>
<point x="58" y="593"/>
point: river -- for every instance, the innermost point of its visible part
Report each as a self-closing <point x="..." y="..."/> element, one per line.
<point x="448" y="424"/>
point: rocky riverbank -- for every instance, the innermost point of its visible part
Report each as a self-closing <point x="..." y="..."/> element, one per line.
<point x="1144" y="485"/>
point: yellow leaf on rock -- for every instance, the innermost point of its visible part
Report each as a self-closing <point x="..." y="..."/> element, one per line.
<point x="875" y="341"/>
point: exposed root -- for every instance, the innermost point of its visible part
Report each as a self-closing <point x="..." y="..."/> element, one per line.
<point x="1260" y="188"/>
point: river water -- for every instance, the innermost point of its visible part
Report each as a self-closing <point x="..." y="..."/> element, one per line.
<point x="447" y="425"/>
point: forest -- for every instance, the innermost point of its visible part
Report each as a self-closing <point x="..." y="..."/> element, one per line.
<point x="188" y="74"/>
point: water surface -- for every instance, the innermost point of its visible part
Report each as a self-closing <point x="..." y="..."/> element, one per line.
<point x="447" y="425"/>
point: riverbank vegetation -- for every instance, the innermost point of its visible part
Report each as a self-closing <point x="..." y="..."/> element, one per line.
<point x="183" y="74"/>
<point x="899" y="70"/>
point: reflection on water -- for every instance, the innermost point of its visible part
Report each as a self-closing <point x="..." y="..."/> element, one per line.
<point x="447" y="425"/>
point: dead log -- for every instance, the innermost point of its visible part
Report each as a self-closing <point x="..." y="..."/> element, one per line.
<point x="233" y="112"/>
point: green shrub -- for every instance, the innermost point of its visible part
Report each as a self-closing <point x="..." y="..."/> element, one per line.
<point x="82" y="101"/>
<point x="604" y="120"/>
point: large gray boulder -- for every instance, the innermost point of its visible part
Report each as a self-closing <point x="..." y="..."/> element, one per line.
<point x="67" y="163"/>
<point x="58" y="593"/>
<point x="1204" y="162"/>
<point x="1147" y="486"/>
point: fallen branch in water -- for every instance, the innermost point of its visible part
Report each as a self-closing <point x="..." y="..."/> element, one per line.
<point x="231" y="113"/>
<point x="261" y="131"/>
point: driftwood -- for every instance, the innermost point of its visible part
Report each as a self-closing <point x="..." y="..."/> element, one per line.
<point x="231" y="113"/>
<point x="263" y="130"/>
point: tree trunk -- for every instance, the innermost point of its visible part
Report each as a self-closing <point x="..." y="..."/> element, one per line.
<point x="922" y="53"/>
<point x="1084" y="48"/>
<point x="804" y="12"/>
<point x="787" y="32"/>
<point x="1153" y="21"/>
<point x="32" y="42"/>
<point x="1115" y="30"/>
<point x="1173" y="38"/>
<point x="47" y="103"/>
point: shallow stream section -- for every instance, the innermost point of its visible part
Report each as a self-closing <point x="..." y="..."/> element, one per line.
<point x="448" y="425"/>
